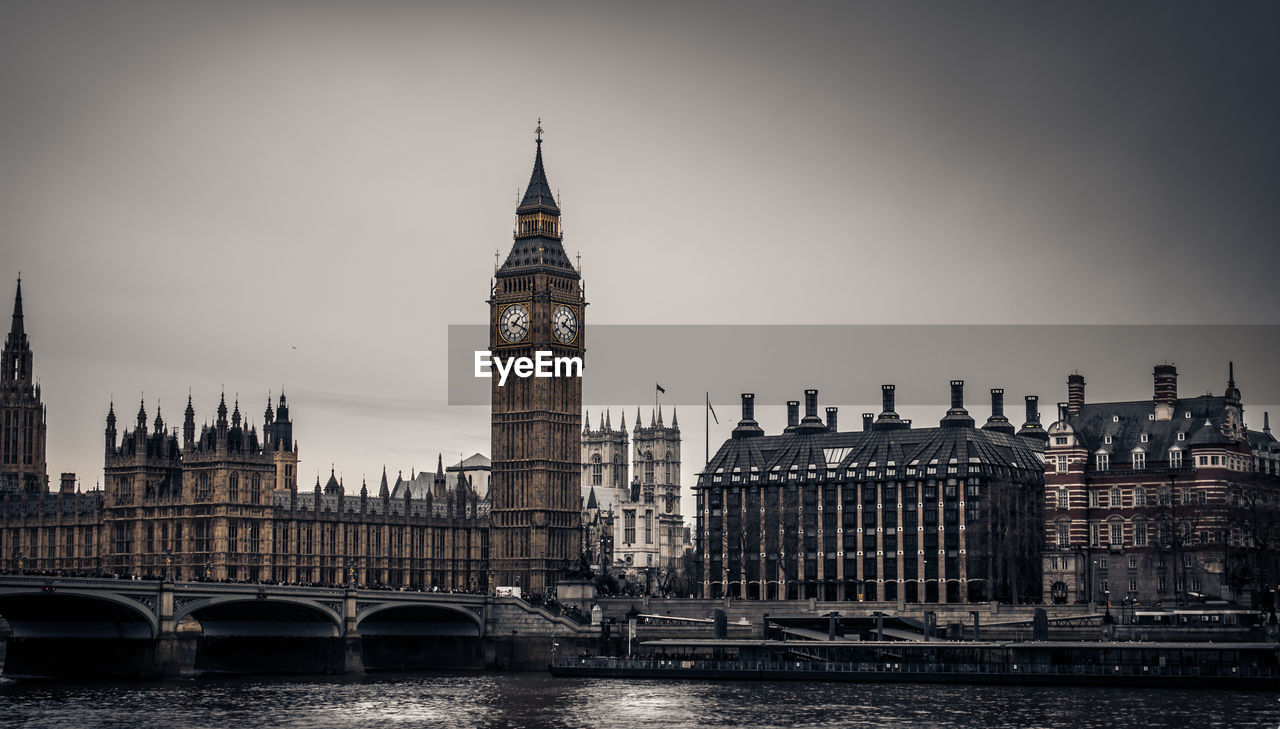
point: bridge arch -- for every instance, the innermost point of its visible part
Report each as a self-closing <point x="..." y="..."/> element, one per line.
<point x="248" y="615"/>
<point x="33" y="612"/>
<point x="413" y="618"/>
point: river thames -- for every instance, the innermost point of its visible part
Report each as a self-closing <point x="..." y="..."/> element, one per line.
<point x="533" y="700"/>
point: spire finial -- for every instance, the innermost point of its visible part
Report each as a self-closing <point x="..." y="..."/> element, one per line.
<point x="17" y="308"/>
<point x="537" y="131"/>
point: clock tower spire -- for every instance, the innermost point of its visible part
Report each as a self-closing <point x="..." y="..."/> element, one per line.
<point x="536" y="305"/>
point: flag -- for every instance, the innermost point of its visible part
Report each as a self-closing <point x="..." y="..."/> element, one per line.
<point x="713" y="410"/>
<point x="660" y="388"/>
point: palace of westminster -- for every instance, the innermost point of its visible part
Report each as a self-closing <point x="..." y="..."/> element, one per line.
<point x="1161" y="499"/>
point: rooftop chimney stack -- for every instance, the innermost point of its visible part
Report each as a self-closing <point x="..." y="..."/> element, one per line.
<point x="748" y="427"/>
<point x="831" y="419"/>
<point x="811" y="423"/>
<point x="888" y="419"/>
<point x="1032" y="428"/>
<point x="1075" y="394"/>
<point x="793" y="415"/>
<point x="1063" y="410"/>
<point x="998" y="421"/>
<point x="1166" y="390"/>
<point x="957" y="415"/>
<point x="867" y="419"/>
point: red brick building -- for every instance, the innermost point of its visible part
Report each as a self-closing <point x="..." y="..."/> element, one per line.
<point x="1167" y="500"/>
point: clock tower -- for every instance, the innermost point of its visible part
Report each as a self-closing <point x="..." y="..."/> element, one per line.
<point x="536" y="305"/>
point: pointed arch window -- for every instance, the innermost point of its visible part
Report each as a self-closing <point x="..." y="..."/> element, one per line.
<point x="597" y="470"/>
<point x="668" y="465"/>
<point x="648" y="466"/>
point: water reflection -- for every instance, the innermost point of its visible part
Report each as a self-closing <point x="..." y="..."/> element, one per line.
<point x="530" y="701"/>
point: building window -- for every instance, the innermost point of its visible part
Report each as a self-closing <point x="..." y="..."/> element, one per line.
<point x="597" y="470"/>
<point x="1182" y="435"/>
<point x="1059" y="440"/>
<point x="629" y="526"/>
<point x="1175" y="457"/>
<point x="1162" y="585"/>
<point x="1115" y="498"/>
<point x="1094" y="538"/>
<point x="1064" y="501"/>
<point x="1139" y="460"/>
<point x="1133" y="559"/>
<point x="233" y="488"/>
<point x="1064" y="535"/>
<point x="203" y="486"/>
<point x="1106" y="439"/>
<point x="1062" y="464"/>
<point x="1133" y="585"/>
<point x="1139" y="535"/>
<point x="648" y="467"/>
<point x="255" y="488"/>
<point x="1117" y="534"/>
<point x="1144" y="437"/>
<point x="1139" y="496"/>
<point x="1095" y="499"/>
<point x="1102" y="461"/>
<point x="648" y="527"/>
<point x="1195" y="584"/>
<point x="668" y="465"/>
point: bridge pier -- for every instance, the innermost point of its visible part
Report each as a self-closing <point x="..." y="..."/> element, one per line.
<point x="167" y="658"/>
<point x="352" y="643"/>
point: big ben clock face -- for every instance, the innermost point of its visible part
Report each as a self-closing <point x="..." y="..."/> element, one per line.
<point x="564" y="322"/>
<point x="514" y="323"/>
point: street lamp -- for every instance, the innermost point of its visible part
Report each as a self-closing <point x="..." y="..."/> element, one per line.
<point x="19" y="561"/>
<point x="168" y="563"/>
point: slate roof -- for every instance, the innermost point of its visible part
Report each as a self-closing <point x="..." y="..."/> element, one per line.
<point x="1126" y="422"/>
<point x="1262" y="440"/>
<point x="537" y="251"/>
<point x="864" y="454"/>
<point x="538" y="195"/>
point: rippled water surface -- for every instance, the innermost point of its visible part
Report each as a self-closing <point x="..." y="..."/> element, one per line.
<point x="537" y="700"/>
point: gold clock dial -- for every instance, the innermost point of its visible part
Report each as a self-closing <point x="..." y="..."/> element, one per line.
<point x="564" y="322"/>
<point x="513" y="325"/>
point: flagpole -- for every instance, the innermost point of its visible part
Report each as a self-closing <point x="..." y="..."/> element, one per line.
<point x="706" y="418"/>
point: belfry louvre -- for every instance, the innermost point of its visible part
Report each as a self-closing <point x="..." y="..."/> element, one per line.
<point x="947" y="514"/>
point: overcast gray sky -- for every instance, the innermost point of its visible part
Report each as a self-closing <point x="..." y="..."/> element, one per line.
<point x="253" y="195"/>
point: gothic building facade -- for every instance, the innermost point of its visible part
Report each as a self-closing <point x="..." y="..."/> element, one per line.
<point x="945" y="514"/>
<point x="641" y="515"/>
<point x="536" y="304"/>
<point x="22" y="414"/>
<point x="1169" y="500"/>
<point x="224" y="504"/>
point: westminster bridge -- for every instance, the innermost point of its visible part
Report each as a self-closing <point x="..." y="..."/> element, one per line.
<point x="122" y="627"/>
